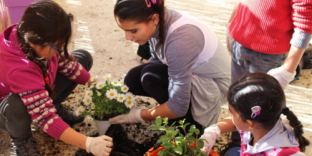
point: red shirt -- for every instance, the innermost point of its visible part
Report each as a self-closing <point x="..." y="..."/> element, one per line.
<point x="267" y="25"/>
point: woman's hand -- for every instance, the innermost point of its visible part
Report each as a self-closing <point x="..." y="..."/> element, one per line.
<point x="99" y="146"/>
<point x="134" y="116"/>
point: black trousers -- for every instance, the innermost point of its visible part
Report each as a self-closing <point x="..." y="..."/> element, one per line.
<point x="151" y="79"/>
<point x="14" y="117"/>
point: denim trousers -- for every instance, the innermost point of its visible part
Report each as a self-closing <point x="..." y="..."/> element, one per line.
<point x="14" y="117"/>
<point x="235" y="151"/>
<point x="246" y="61"/>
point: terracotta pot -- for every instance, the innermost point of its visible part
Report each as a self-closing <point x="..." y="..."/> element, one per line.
<point x="152" y="152"/>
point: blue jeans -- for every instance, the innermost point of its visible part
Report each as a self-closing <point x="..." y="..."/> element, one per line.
<point x="246" y="61"/>
<point x="235" y="151"/>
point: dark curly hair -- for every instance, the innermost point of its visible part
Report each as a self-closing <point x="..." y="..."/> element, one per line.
<point x="44" y="22"/>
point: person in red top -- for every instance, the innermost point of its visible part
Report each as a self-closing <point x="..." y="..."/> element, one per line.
<point x="270" y="36"/>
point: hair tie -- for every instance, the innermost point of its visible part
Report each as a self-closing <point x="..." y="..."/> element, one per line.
<point x="46" y="80"/>
<point x="285" y="111"/>
<point x="149" y="2"/>
<point x="255" y="111"/>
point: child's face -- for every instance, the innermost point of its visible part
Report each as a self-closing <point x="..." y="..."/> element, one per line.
<point x="138" y="32"/>
<point x="237" y="120"/>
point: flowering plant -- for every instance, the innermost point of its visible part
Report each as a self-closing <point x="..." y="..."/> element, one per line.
<point x="103" y="100"/>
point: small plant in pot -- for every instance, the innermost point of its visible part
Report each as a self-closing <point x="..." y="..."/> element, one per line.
<point x="173" y="143"/>
<point x="105" y="99"/>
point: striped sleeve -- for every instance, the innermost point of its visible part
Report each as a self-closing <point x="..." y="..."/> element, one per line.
<point x="73" y="70"/>
<point x="39" y="106"/>
<point x="28" y="83"/>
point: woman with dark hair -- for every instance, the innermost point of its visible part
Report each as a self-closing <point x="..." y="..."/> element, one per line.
<point x="189" y="72"/>
<point x="38" y="73"/>
<point x="256" y="102"/>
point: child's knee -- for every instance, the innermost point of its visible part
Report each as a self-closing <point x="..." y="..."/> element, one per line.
<point x="84" y="58"/>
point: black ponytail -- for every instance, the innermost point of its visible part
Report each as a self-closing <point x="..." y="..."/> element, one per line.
<point x="298" y="128"/>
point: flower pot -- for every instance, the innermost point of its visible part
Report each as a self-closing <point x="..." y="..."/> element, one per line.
<point x="152" y="152"/>
<point x="102" y="126"/>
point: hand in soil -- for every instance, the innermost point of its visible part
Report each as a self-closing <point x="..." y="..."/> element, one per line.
<point x="99" y="146"/>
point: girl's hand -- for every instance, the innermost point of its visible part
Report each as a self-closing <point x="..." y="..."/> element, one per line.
<point x="99" y="146"/>
<point x="210" y="135"/>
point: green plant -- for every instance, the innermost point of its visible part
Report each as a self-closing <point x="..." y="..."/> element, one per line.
<point x="176" y="144"/>
<point x="103" y="100"/>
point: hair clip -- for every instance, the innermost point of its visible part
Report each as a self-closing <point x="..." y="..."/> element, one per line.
<point x="255" y="111"/>
<point x="148" y="2"/>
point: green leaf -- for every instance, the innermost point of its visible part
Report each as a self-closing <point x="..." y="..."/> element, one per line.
<point x="158" y="120"/>
<point x="155" y="127"/>
<point x="162" y="128"/>
<point x="200" y="143"/>
<point x="168" y="145"/>
<point x="192" y="128"/>
<point x="178" y="150"/>
<point x="181" y="122"/>
<point x="164" y="138"/>
<point x="161" y="153"/>
<point x="173" y="124"/>
<point x="197" y="131"/>
<point x="179" y="139"/>
<point x="165" y="120"/>
<point x="185" y="125"/>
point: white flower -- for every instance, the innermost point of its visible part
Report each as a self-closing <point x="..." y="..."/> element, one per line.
<point x="78" y="99"/>
<point x="80" y="109"/>
<point x="130" y="96"/>
<point x="107" y="76"/>
<point x="99" y="85"/>
<point x="93" y="79"/>
<point x="99" y="93"/>
<point x="121" y="82"/>
<point x="124" y="88"/>
<point x="87" y="100"/>
<point x="129" y="103"/>
<point x="88" y="93"/>
<point x="121" y="97"/>
<point x="111" y="94"/>
<point x="92" y="106"/>
<point x="115" y="83"/>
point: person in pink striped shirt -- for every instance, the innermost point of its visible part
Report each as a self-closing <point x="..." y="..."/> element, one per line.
<point x="256" y="102"/>
<point x="37" y="74"/>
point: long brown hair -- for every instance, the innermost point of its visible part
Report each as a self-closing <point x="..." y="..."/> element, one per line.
<point x="44" y="22"/>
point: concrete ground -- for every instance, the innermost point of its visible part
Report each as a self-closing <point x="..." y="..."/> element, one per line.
<point x="96" y="31"/>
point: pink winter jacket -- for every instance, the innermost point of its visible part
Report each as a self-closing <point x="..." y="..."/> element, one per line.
<point x="24" y="78"/>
